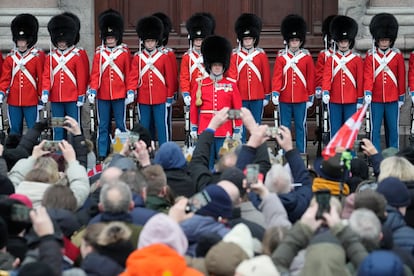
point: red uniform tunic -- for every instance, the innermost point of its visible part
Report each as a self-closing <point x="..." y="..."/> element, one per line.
<point x="215" y="95"/>
<point x="294" y="76"/>
<point x="251" y="71"/>
<point x="64" y="75"/>
<point x="174" y="66"/>
<point x="320" y="65"/>
<point x="85" y="62"/>
<point x="152" y="77"/>
<point x="411" y="73"/>
<point x="110" y="71"/>
<point x="22" y="77"/>
<point x="192" y="68"/>
<point x="388" y="85"/>
<point x="343" y="77"/>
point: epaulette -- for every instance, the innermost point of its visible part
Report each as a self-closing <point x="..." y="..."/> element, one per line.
<point x="260" y="50"/>
<point x="80" y="48"/>
<point x="281" y="52"/>
<point x="306" y="52"/>
<point x="76" y="51"/>
<point x="369" y="52"/>
<point x="35" y="51"/>
<point x="231" y="80"/>
<point x="396" y="50"/>
<point x="235" y="50"/>
<point x="98" y="49"/>
<point x="357" y="53"/>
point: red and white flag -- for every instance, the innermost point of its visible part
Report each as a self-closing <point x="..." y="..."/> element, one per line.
<point x="347" y="134"/>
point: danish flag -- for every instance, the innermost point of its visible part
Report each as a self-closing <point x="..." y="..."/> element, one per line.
<point x="347" y="134"/>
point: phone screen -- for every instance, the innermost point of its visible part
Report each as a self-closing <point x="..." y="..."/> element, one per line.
<point x="252" y="174"/>
<point x="323" y="198"/>
<point x="57" y="121"/>
<point x="20" y="213"/>
<point x="197" y="201"/>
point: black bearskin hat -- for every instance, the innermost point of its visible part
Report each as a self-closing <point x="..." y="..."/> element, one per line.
<point x="166" y="21"/>
<point x="384" y="25"/>
<point x="150" y="27"/>
<point x="293" y="26"/>
<point x="344" y="27"/>
<point x="62" y="28"/>
<point x="199" y="26"/>
<point x="325" y="27"/>
<point x="25" y="26"/>
<point x="216" y="49"/>
<point x="213" y="20"/>
<point x="78" y="24"/>
<point x="248" y="25"/>
<point x="111" y="23"/>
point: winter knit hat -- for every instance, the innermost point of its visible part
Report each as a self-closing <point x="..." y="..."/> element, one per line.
<point x="235" y="176"/>
<point x="23" y="199"/>
<point x="163" y="229"/>
<point x="394" y="191"/>
<point x="170" y="156"/>
<point x="258" y="266"/>
<point x="381" y="263"/>
<point x="220" y="204"/>
<point x="241" y="235"/>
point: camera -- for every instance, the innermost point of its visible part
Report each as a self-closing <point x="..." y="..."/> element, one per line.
<point x="51" y="145"/>
<point x="20" y="213"/>
<point x="234" y="114"/>
<point x="323" y="198"/>
<point x="272" y="132"/>
<point x="133" y="138"/>
<point x="358" y="146"/>
<point x="197" y="201"/>
<point x="252" y="174"/>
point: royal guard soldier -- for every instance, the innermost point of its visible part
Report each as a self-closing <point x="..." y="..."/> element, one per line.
<point x="323" y="55"/>
<point x="343" y="76"/>
<point x="152" y="77"/>
<point x="249" y="67"/>
<point x="162" y="46"/>
<point x="199" y="26"/>
<point x="384" y="80"/>
<point x="108" y="82"/>
<point x="82" y="51"/>
<point x="21" y="79"/>
<point x="64" y="80"/>
<point x="294" y="78"/>
<point x="214" y="93"/>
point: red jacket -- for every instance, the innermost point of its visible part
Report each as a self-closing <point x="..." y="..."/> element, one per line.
<point x="174" y="66"/>
<point x="389" y="82"/>
<point x="251" y="71"/>
<point x="294" y="76"/>
<point x="215" y="96"/>
<point x="69" y="76"/>
<point x="154" y="83"/>
<point x="320" y="65"/>
<point x="344" y="82"/>
<point x="85" y="62"/>
<point x="191" y="63"/>
<point x="411" y="73"/>
<point x="110" y="71"/>
<point x="24" y="85"/>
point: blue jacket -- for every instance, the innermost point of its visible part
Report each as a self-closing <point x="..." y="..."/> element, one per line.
<point x="197" y="226"/>
<point x="402" y="234"/>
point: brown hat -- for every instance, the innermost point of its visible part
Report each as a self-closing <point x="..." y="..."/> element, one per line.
<point x="224" y="257"/>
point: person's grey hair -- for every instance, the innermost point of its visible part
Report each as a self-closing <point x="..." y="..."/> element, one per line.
<point x="277" y="174"/>
<point x="135" y="180"/>
<point x="118" y="202"/>
<point x="365" y="224"/>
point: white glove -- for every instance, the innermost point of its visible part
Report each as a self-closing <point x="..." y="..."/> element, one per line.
<point x="45" y="98"/>
<point x="1" y="98"/>
<point x="130" y="98"/>
<point x="400" y="104"/>
<point x="368" y="99"/>
<point x="275" y="100"/>
<point x="91" y="98"/>
<point x="167" y="104"/>
<point x="318" y="93"/>
<point x="40" y="107"/>
<point x="326" y="98"/>
<point x="412" y="98"/>
<point x="193" y="134"/>
<point x="265" y="102"/>
<point x="237" y="136"/>
<point x="79" y="104"/>
<point x="359" y="106"/>
<point x="309" y="104"/>
<point x="187" y="100"/>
